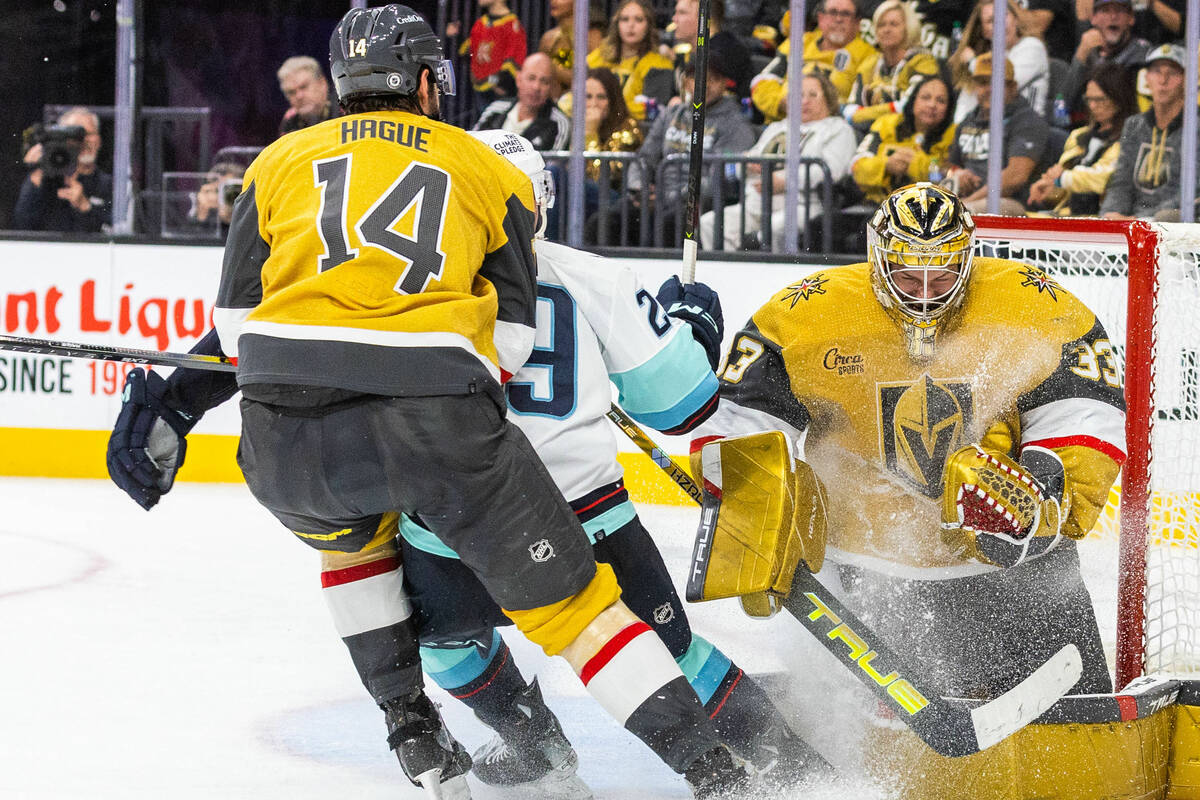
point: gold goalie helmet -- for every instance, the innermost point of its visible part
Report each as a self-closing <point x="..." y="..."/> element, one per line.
<point x="920" y="245"/>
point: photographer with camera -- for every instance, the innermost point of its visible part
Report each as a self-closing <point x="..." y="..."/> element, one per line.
<point x="64" y="190"/>
<point x="212" y="204"/>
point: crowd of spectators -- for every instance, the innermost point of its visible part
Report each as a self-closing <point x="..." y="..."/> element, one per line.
<point x="894" y="92"/>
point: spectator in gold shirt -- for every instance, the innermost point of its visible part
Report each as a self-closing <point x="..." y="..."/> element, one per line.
<point x="835" y="48"/>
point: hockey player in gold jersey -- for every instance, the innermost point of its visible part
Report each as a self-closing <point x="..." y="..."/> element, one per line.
<point x="966" y="417"/>
<point x="378" y="289"/>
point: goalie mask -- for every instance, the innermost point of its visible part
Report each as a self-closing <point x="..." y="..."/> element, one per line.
<point x="919" y="244"/>
<point x="519" y="151"/>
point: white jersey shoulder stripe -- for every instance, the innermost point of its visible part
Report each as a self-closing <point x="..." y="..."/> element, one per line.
<point x="1074" y="417"/>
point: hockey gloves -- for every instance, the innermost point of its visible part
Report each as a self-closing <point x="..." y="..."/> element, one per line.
<point x="148" y="442"/>
<point x="1008" y="512"/>
<point x="700" y="307"/>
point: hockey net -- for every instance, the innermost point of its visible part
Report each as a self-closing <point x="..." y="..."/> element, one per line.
<point x="1143" y="281"/>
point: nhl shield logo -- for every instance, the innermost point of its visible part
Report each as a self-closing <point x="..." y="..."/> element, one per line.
<point x="541" y="550"/>
<point x="664" y="614"/>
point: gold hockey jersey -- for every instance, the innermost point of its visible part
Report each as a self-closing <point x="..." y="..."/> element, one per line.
<point x="1022" y="362"/>
<point x="385" y="253"/>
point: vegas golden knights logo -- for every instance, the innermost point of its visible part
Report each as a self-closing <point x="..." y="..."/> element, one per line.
<point x="921" y="424"/>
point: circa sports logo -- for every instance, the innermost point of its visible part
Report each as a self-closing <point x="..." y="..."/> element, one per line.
<point x="541" y="550"/>
<point x="842" y="364"/>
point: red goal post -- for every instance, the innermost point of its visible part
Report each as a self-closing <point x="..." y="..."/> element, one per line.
<point x="1143" y="281"/>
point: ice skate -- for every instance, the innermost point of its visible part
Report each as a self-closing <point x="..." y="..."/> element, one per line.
<point x="428" y="754"/>
<point x="717" y="776"/>
<point x="530" y="754"/>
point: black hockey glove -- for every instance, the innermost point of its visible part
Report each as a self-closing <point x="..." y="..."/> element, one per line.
<point x="700" y="307"/>
<point x="148" y="442"/>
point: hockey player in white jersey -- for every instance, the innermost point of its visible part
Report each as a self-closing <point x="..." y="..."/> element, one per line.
<point x="597" y="326"/>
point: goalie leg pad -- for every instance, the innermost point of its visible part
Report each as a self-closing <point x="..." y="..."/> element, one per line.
<point x="762" y="514"/>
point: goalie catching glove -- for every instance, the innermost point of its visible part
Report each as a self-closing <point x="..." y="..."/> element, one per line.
<point x="763" y="513"/>
<point x="148" y="442"/>
<point x="1008" y="512"/>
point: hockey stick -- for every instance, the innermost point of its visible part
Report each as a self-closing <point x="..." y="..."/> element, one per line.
<point x="664" y="461"/>
<point x="951" y="726"/>
<point x="123" y="354"/>
<point x="691" y="214"/>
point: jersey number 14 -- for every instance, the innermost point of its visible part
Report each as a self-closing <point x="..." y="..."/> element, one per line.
<point x="422" y="185"/>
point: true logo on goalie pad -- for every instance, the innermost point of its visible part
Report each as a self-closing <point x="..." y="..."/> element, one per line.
<point x="920" y="425"/>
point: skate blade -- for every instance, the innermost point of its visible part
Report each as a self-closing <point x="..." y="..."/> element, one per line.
<point x="555" y="785"/>
<point x="455" y="788"/>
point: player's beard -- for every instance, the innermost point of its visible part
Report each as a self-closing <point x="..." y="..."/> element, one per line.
<point x="433" y="108"/>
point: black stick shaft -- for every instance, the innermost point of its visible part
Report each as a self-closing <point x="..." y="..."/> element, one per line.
<point x="691" y="216"/>
<point x="123" y="354"/>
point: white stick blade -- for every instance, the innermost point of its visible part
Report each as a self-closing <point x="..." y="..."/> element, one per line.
<point x="1000" y="718"/>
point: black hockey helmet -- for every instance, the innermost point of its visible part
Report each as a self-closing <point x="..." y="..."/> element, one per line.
<point x="380" y="51"/>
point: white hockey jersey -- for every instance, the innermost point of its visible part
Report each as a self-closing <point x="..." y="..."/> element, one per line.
<point x="597" y="326"/>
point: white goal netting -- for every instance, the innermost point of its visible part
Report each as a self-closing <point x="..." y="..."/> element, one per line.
<point x="1093" y="261"/>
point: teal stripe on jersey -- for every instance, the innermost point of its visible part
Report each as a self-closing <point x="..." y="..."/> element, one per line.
<point x="610" y="521"/>
<point x="671" y="386"/>
<point x="422" y="539"/>
<point x="704" y="666"/>
<point x="451" y="667"/>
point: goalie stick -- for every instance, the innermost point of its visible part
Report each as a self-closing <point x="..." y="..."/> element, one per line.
<point x="951" y="726"/>
<point x="123" y="354"/>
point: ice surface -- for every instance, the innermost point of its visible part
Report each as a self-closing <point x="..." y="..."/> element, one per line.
<point x="187" y="653"/>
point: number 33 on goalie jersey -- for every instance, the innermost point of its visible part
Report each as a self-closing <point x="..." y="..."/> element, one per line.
<point x="1022" y="362"/>
<point x="385" y="253"/>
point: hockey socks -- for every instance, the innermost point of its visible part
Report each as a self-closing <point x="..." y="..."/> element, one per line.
<point x="486" y="679"/>
<point x="749" y="723"/>
<point x="630" y="672"/>
<point x="373" y="616"/>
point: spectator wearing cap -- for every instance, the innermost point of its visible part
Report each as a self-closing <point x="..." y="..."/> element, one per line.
<point x="1110" y="41"/>
<point x="726" y="131"/>
<point x="303" y="83"/>
<point x="834" y="48"/>
<point x="886" y="83"/>
<point x="1024" y="155"/>
<point x="1156" y="21"/>
<point x="1145" y="183"/>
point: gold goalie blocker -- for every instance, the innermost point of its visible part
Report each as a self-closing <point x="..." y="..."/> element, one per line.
<point x="763" y="513"/>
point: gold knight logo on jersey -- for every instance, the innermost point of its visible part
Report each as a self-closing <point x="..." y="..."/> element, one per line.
<point x="920" y="425"/>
